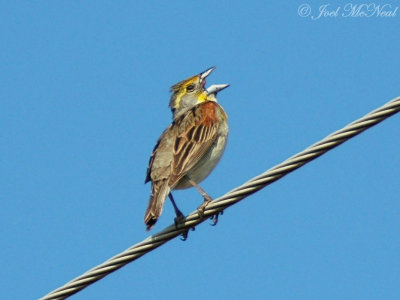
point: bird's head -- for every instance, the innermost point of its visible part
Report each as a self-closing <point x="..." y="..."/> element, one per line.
<point x="188" y="93"/>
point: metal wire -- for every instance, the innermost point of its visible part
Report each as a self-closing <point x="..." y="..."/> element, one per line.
<point x="230" y="198"/>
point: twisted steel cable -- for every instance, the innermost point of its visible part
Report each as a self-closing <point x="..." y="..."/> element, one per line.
<point x="230" y="198"/>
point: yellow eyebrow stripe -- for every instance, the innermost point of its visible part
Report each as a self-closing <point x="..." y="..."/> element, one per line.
<point x="202" y="97"/>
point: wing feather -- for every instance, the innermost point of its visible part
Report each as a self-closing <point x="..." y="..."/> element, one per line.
<point x="160" y="161"/>
<point x="197" y="132"/>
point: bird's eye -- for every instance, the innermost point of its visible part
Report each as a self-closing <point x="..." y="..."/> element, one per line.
<point x="190" y="88"/>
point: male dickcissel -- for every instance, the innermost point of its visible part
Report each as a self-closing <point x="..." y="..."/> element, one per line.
<point x="190" y="148"/>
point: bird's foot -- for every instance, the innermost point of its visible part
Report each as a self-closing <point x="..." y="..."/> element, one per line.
<point x="179" y="218"/>
<point x="214" y="218"/>
<point x="202" y="207"/>
<point x="185" y="234"/>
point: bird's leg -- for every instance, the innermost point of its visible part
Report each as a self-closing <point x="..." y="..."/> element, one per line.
<point x="178" y="213"/>
<point x="179" y="217"/>
<point x="207" y="198"/>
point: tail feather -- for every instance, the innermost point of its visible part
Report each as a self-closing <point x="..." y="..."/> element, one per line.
<point x="159" y="191"/>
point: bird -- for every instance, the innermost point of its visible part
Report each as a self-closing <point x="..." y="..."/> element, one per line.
<point x="189" y="149"/>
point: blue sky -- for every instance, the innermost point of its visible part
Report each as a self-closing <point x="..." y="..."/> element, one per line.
<point x="84" y="89"/>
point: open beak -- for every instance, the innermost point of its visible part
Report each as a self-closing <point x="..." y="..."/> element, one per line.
<point x="204" y="74"/>
<point x="215" y="88"/>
